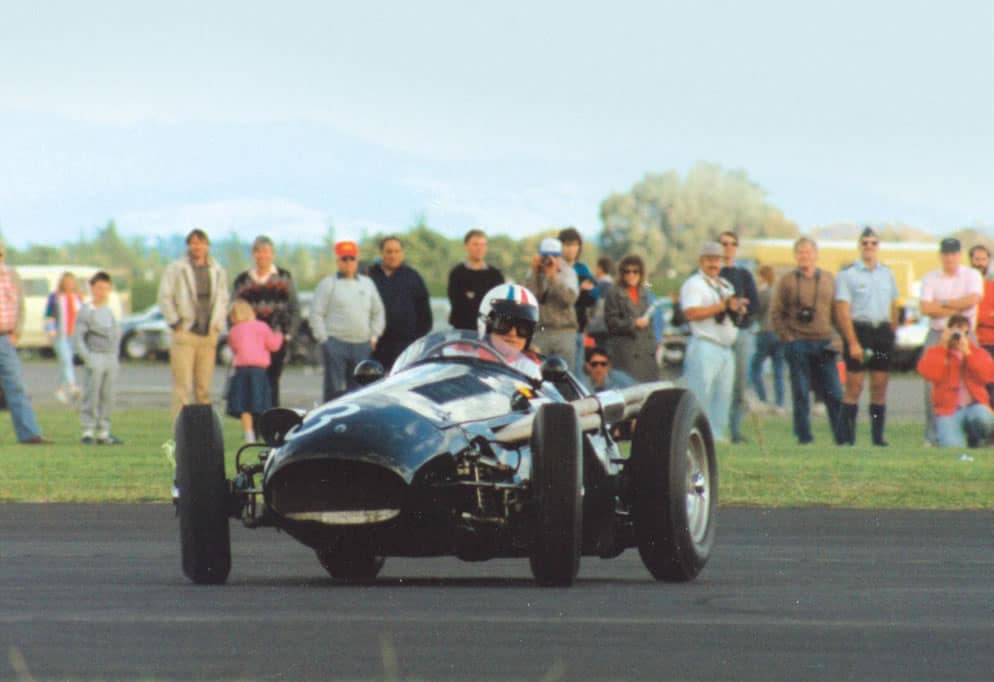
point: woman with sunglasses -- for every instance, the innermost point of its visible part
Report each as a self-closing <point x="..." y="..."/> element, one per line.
<point x="631" y="340"/>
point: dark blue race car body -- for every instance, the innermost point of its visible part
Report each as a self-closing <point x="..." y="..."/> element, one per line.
<point x="461" y="452"/>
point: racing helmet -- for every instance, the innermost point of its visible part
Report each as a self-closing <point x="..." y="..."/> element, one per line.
<point x="506" y="305"/>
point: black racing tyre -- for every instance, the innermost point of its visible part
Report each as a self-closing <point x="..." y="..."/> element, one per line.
<point x="203" y="504"/>
<point x="557" y="485"/>
<point x="674" y="484"/>
<point x="353" y="565"/>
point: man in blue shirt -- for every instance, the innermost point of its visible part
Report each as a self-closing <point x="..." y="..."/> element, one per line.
<point x="866" y="309"/>
<point x="748" y="295"/>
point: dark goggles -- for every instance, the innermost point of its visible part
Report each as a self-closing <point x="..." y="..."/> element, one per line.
<point x="523" y="328"/>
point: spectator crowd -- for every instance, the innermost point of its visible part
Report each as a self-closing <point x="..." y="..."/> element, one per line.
<point x="605" y="323"/>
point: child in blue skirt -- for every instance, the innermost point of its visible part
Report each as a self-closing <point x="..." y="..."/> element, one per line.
<point x="251" y="341"/>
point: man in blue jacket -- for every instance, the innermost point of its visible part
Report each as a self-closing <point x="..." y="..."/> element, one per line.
<point x="405" y="299"/>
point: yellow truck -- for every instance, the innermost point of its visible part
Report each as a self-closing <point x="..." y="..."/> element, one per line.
<point x="908" y="260"/>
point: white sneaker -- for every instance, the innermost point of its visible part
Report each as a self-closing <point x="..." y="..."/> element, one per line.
<point x="778" y="411"/>
<point x="62" y="395"/>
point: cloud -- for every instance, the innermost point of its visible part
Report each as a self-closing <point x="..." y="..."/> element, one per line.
<point x="247" y="217"/>
<point x="454" y="205"/>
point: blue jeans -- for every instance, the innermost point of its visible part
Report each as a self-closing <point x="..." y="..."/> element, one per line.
<point x="975" y="422"/>
<point x="340" y="360"/>
<point x="581" y="356"/>
<point x="709" y="370"/>
<point x="63" y="351"/>
<point x="768" y="345"/>
<point x="743" y="352"/>
<point x="18" y="402"/>
<point x="807" y="360"/>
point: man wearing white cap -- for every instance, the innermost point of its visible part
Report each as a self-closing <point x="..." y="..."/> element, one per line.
<point x="556" y="287"/>
<point x="711" y="307"/>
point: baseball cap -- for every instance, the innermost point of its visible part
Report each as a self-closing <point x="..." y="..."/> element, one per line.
<point x="346" y="247"/>
<point x="949" y="245"/>
<point x="710" y="249"/>
<point x="550" y="247"/>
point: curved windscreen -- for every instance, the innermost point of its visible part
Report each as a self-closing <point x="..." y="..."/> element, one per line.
<point x="461" y="344"/>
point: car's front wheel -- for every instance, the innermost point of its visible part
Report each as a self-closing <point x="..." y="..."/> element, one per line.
<point x="557" y="487"/>
<point x="674" y="476"/>
<point x="205" y="540"/>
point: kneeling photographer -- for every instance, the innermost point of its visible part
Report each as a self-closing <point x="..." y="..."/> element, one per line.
<point x="801" y="315"/>
<point x="711" y="309"/>
<point x="959" y="371"/>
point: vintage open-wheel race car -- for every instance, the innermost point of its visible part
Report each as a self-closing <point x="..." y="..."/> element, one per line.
<point x="458" y="452"/>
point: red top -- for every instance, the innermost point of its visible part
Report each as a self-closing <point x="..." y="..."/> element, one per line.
<point x="947" y="369"/>
<point x="985" y="315"/>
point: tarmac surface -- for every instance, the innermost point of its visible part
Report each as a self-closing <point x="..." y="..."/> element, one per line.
<point x="96" y="591"/>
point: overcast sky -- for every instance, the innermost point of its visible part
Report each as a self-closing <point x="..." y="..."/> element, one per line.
<point x="284" y="117"/>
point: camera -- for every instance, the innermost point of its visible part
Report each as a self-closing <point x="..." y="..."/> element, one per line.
<point x="806" y="315"/>
<point x="547" y="261"/>
<point x="954" y="339"/>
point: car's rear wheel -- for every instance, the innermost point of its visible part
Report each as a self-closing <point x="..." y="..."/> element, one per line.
<point x="205" y="539"/>
<point x="352" y="565"/>
<point x="675" y="485"/>
<point x="557" y="485"/>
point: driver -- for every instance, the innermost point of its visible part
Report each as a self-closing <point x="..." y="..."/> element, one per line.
<point x="508" y="318"/>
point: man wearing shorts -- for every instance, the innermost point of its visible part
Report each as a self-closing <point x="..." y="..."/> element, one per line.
<point x="866" y="308"/>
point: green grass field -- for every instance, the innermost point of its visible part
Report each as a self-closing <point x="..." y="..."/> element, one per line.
<point x="771" y="470"/>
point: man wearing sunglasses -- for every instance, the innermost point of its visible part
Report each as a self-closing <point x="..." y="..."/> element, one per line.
<point x="748" y="295"/>
<point x="866" y="309"/>
<point x="598" y="375"/>
<point x="347" y="317"/>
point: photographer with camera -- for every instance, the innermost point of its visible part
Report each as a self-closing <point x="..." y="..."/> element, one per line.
<point x="955" y="289"/>
<point x="866" y="308"/>
<point x="801" y="315"/>
<point x="958" y="371"/>
<point x="711" y="309"/>
<point x="556" y="287"/>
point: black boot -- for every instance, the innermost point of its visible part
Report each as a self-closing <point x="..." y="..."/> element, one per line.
<point x="878" y="415"/>
<point x="847" y="424"/>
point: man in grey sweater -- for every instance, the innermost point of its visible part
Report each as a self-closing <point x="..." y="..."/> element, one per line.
<point x="347" y="318"/>
<point x="97" y="339"/>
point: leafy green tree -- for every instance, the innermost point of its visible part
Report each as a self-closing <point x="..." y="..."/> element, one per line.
<point x="664" y="218"/>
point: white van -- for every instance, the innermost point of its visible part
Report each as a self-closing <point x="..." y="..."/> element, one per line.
<point x="39" y="281"/>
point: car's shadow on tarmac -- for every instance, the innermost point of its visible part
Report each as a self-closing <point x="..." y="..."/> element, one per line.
<point x="420" y="582"/>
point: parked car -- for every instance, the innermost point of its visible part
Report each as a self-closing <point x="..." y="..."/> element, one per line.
<point x="909" y="340"/>
<point x="41" y="280"/>
<point x="145" y="335"/>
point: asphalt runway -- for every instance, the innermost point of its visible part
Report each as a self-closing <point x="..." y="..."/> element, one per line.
<point x="96" y="592"/>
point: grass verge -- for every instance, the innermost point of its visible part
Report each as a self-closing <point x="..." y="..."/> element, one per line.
<point x="771" y="470"/>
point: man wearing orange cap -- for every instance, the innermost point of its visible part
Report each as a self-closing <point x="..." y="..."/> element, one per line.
<point x="347" y="318"/>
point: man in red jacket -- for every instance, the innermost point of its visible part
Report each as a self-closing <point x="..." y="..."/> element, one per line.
<point x="959" y="371"/>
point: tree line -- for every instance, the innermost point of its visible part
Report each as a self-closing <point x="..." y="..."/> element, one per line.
<point x="663" y="217"/>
